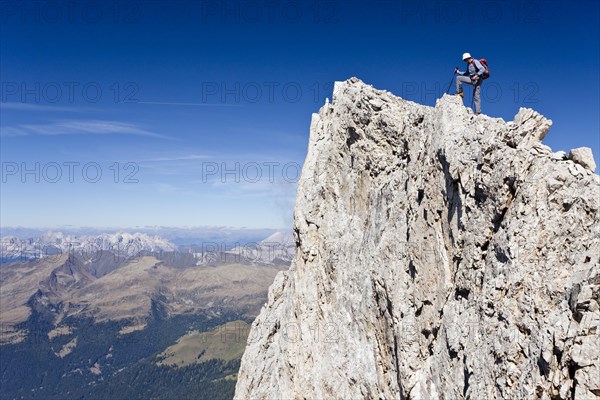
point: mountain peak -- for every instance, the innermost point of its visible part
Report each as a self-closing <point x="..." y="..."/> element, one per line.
<point x="438" y="252"/>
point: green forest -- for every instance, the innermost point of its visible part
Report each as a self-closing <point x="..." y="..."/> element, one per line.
<point x="126" y="363"/>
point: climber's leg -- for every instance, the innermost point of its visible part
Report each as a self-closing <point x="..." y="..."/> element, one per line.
<point x="477" y="97"/>
<point x="460" y="80"/>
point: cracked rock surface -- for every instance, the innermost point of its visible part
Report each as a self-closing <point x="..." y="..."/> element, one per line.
<point x="440" y="255"/>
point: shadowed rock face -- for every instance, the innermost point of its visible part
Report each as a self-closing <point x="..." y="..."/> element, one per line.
<point x="440" y="255"/>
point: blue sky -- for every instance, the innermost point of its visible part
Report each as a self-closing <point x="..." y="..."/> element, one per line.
<point x="203" y="107"/>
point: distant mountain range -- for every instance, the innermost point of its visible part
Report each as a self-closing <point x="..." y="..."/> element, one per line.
<point x="116" y="315"/>
<point x="53" y="243"/>
<point x="176" y="235"/>
<point x="277" y="247"/>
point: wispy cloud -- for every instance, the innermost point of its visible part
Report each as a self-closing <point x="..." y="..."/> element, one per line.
<point x="80" y="127"/>
<point x="35" y="107"/>
<point x="164" y="103"/>
<point x="189" y="157"/>
<point x="174" y="165"/>
<point x="243" y="188"/>
<point x="11" y="131"/>
<point x="162" y="187"/>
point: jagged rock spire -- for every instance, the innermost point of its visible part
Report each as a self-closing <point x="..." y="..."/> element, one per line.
<point x="439" y="253"/>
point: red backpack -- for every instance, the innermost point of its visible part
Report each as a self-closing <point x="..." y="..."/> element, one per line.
<point x="483" y="62"/>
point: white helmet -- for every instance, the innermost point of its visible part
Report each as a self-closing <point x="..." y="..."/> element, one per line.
<point x="466" y="55"/>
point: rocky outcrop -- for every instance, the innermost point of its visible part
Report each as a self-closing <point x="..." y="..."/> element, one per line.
<point x="440" y="254"/>
<point x="583" y="156"/>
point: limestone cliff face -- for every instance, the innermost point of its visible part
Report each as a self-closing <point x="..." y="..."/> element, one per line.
<point x="440" y="255"/>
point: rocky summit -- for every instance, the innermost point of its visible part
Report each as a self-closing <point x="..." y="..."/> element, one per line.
<point x="439" y="255"/>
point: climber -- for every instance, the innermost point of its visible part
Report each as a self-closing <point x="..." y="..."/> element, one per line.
<point x="472" y="76"/>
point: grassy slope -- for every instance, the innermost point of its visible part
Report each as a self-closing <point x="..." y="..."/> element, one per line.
<point x="227" y="342"/>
